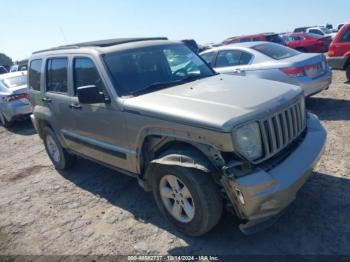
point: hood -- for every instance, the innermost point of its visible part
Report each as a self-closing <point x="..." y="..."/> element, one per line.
<point x="216" y="102"/>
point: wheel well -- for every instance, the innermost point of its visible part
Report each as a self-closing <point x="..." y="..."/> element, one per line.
<point x="41" y="124"/>
<point x="155" y="150"/>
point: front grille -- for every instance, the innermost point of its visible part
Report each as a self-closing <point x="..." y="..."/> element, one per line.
<point x="282" y="128"/>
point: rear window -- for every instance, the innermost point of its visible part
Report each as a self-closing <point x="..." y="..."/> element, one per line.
<point x="275" y="51"/>
<point x="15" y="81"/>
<point x="35" y="74"/>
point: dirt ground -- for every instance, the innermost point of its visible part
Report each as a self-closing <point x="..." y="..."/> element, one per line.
<point x="94" y="210"/>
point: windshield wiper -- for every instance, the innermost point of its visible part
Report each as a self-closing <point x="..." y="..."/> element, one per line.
<point x="155" y="86"/>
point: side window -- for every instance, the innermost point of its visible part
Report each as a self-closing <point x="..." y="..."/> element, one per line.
<point x="85" y="73"/>
<point x="208" y="57"/>
<point x="316" y="31"/>
<point x="245" y="58"/>
<point x="346" y="36"/>
<point x="244" y="40"/>
<point x="228" y="58"/>
<point x="35" y="74"/>
<point x="56" y="75"/>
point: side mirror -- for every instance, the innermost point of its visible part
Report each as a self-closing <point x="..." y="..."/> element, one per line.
<point x="90" y="95"/>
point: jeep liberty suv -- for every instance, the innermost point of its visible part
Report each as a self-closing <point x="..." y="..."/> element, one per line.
<point x="200" y="141"/>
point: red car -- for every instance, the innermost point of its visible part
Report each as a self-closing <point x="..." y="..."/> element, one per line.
<point x="268" y="37"/>
<point x="339" y="50"/>
<point x="306" y="42"/>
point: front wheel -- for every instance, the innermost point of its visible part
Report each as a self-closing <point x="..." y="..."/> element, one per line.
<point x="348" y="73"/>
<point x="60" y="158"/>
<point x="187" y="198"/>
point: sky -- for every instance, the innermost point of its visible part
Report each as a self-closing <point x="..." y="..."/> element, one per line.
<point x="33" y="25"/>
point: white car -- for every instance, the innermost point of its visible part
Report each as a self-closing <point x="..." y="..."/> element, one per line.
<point x="272" y="61"/>
<point x="14" y="103"/>
<point x="319" y="30"/>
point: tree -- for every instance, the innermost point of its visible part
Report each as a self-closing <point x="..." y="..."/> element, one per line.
<point x="5" y="60"/>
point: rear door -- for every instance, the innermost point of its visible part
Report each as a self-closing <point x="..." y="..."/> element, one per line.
<point x="56" y="94"/>
<point x="232" y="62"/>
<point x="99" y="131"/>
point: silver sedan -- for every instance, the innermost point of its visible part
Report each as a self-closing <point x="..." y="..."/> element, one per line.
<point x="274" y="62"/>
<point x="14" y="103"/>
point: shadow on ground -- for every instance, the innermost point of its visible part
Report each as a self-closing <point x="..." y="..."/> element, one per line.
<point x="317" y="222"/>
<point x="329" y="108"/>
<point x="24" y="128"/>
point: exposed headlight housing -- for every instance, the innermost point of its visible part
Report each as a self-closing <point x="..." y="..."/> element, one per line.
<point x="248" y="141"/>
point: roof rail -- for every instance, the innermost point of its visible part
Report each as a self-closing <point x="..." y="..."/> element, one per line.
<point x="101" y="43"/>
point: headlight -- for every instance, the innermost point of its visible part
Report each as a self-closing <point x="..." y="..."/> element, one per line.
<point x="248" y="141"/>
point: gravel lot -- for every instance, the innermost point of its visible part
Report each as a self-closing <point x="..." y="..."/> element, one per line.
<point x="93" y="210"/>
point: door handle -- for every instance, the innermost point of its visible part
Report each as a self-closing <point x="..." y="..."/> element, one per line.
<point x="75" y="106"/>
<point x="46" y="99"/>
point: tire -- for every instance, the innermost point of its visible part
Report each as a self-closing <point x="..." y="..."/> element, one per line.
<point x="60" y="158"/>
<point x="348" y="73"/>
<point x="205" y="200"/>
<point x="4" y="121"/>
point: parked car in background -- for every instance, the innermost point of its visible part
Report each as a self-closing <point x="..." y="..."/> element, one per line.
<point x="16" y="68"/>
<point x="268" y="37"/>
<point x="307" y="42"/>
<point x="339" y="50"/>
<point x="200" y="141"/>
<point x="192" y="44"/>
<point x="14" y="103"/>
<point x="3" y="70"/>
<point x="272" y="61"/>
<point x="318" y="30"/>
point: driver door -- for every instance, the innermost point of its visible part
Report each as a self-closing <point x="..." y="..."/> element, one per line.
<point x="99" y="128"/>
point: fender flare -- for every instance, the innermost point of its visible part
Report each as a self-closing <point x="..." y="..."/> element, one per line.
<point x="183" y="157"/>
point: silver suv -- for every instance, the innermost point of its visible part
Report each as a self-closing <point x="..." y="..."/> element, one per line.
<point x="200" y="141"/>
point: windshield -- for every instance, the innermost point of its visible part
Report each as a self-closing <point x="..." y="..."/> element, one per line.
<point x="274" y="38"/>
<point x="275" y="51"/>
<point x="15" y="81"/>
<point x="155" y="66"/>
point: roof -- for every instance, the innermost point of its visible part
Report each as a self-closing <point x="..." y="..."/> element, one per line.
<point x="260" y="34"/>
<point x="242" y="45"/>
<point x="102" y="43"/>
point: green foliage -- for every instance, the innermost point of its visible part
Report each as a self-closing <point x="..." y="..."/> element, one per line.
<point x="5" y="60"/>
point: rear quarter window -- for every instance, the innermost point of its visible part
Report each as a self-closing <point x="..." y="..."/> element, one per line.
<point x="35" y="74"/>
<point x="275" y="51"/>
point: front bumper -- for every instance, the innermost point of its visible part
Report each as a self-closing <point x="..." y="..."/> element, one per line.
<point x="337" y="62"/>
<point x="262" y="195"/>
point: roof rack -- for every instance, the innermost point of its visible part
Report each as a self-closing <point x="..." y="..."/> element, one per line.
<point x="101" y="43"/>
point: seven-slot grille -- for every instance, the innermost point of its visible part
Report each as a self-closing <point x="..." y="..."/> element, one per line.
<point x="280" y="129"/>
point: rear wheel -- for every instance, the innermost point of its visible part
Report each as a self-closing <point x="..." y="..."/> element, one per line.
<point x="187" y="198"/>
<point x="348" y="73"/>
<point x="60" y="158"/>
<point x="4" y="121"/>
